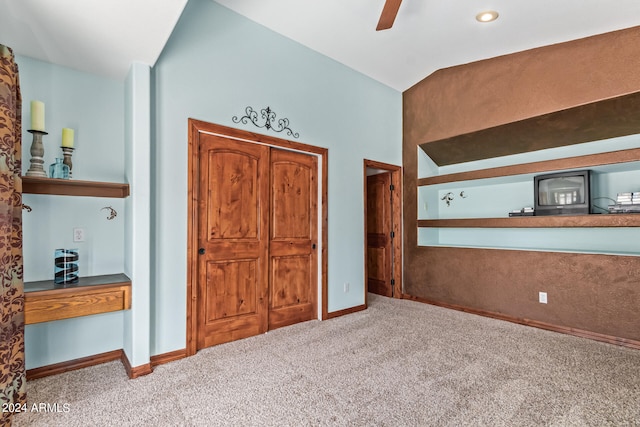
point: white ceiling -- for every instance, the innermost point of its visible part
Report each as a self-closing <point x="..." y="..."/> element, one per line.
<point x="105" y="37"/>
<point x="100" y="37"/>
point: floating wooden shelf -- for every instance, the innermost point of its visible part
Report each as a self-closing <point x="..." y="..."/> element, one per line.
<point x="72" y="187"/>
<point x="46" y="301"/>
<point x="578" y="162"/>
<point x="559" y="221"/>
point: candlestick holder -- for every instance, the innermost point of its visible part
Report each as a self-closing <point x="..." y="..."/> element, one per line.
<point x="67" y="152"/>
<point x="37" y="154"/>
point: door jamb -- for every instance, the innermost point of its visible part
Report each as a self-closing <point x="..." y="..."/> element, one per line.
<point x="396" y="197"/>
<point x="195" y="128"/>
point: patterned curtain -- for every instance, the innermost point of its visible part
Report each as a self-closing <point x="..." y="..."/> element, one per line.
<point x="12" y="370"/>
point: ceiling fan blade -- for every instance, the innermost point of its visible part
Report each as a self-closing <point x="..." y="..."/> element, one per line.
<point x="388" y="15"/>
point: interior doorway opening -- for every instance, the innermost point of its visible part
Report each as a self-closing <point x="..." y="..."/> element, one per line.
<point x="383" y="228"/>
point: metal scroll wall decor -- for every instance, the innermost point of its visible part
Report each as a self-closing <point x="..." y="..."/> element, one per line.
<point x="269" y="117"/>
<point x="112" y="212"/>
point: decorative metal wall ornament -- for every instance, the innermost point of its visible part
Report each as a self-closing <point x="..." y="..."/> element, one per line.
<point x="112" y="212"/>
<point x="448" y="198"/>
<point x="269" y="116"/>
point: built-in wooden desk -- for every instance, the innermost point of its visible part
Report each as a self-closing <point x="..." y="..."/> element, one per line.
<point x="46" y="301"/>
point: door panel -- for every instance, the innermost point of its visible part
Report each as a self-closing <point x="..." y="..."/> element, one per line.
<point x="376" y="263"/>
<point x="378" y="234"/>
<point x="291" y="281"/>
<point x="291" y="193"/>
<point x="230" y="290"/>
<point x="293" y="238"/>
<point x="233" y="212"/>
<point x="233" y="208"/>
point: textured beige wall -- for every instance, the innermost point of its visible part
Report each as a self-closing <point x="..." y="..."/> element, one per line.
<point x="505" y="89"/>
<point x="596" y="293"/>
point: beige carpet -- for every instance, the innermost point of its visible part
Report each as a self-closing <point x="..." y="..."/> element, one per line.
<point x="399" y="363"/>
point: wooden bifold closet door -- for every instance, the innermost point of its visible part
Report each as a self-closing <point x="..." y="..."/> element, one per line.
<point x="257" y="234"/>
<point x="293" y="256"/>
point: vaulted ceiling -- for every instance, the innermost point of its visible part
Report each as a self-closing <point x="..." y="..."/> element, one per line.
<point x="106" y="37"/>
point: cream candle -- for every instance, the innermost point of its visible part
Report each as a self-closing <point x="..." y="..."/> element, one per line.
<point x="67" y="137"/>
<point x="37" y="115"/>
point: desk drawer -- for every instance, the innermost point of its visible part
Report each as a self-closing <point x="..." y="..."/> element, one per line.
<point x="45" y="306"/>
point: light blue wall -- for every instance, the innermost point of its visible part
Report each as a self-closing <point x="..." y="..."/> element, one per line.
<point x="496" y="197"/>
<point x="138" y="211"/>
<point x="93" y="106"/>
<point x="215" y="64"/>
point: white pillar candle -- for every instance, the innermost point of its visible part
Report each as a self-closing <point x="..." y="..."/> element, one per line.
<point x="37" y="115"/>
<point x="67" y="137"/>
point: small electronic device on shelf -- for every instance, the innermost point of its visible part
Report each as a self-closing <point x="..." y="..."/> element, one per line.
<point x="626" y="203"/>
<point x="563" y="193"/>
<point x="526" y="211"/>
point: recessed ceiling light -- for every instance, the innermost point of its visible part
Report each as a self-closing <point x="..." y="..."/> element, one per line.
<point x="487" y="16"/>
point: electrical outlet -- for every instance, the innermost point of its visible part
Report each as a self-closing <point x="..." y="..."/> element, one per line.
<point x="78" y="234"/>
<point x="346" y="287"/>
<point x="542" y="297"/>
